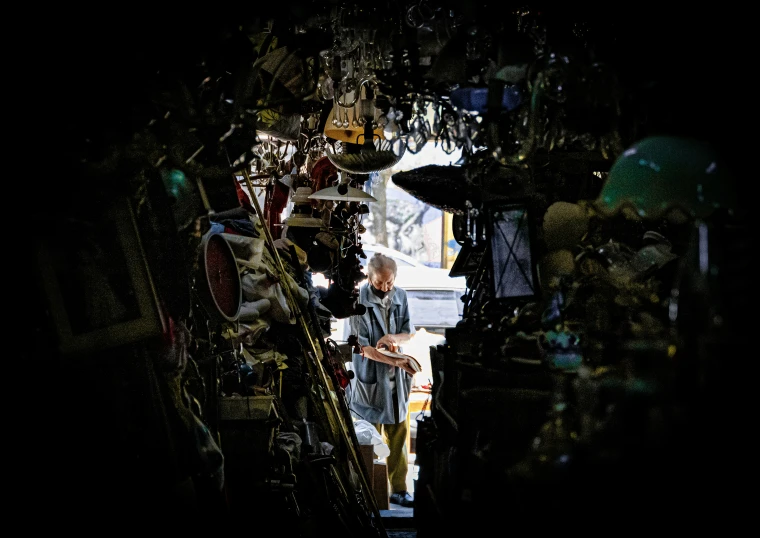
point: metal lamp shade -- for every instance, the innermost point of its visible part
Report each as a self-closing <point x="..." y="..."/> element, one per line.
<point x="352" y="195"/>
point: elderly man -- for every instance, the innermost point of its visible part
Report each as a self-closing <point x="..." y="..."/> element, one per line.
<point x="383" y="383"/>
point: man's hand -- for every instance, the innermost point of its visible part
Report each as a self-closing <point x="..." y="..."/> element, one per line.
<point x="389" y="342"/>
<point x="403" y="363"/>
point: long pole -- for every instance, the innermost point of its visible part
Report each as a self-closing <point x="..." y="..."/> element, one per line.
<point x="335" y="418"/>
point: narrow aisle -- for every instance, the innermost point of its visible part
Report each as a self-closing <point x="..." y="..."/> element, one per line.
<point x="399" y="520"/>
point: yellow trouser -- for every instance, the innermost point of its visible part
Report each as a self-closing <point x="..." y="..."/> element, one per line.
<point x="395" y="436"/>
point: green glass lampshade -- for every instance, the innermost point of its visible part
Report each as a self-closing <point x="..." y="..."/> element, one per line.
<point x="662" y="173"/>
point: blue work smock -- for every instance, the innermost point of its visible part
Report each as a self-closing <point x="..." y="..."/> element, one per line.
<point x="372" y="394"/>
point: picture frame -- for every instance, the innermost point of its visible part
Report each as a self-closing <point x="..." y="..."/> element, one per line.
<point x="98" y="284"/>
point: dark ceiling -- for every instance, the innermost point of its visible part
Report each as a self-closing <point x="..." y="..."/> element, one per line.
<point x="684" y="70"/>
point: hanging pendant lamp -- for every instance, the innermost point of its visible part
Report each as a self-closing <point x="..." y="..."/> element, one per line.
<point x="301" y="216"/>
<point x="352" y="108"/>
<point x="343" y="192"/>
<point x="376" y="155"/>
